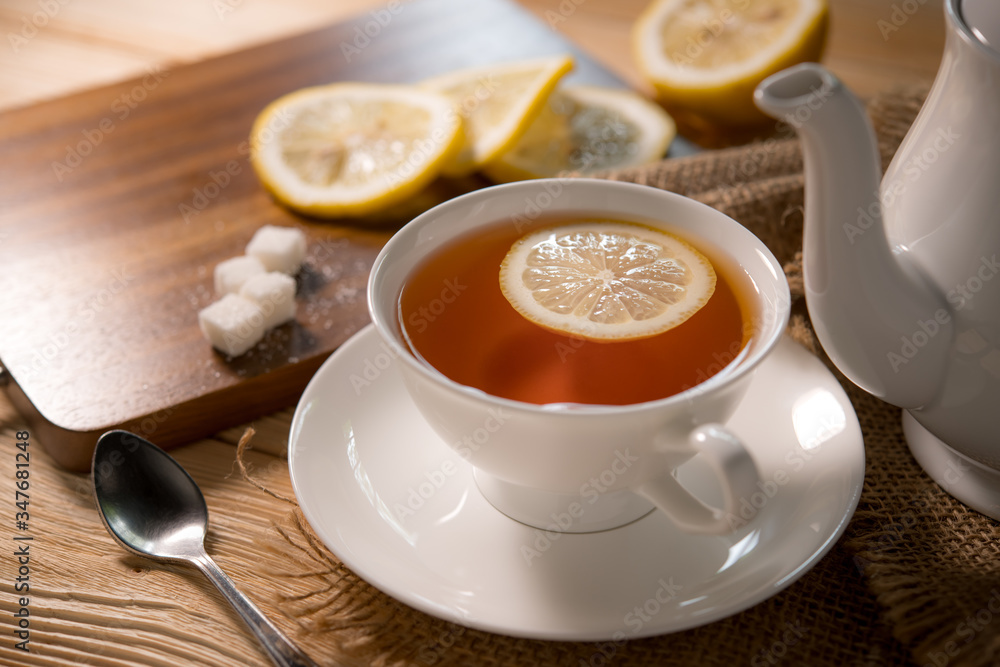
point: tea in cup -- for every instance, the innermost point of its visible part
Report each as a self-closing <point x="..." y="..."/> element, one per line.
<point x="576" y="401"/>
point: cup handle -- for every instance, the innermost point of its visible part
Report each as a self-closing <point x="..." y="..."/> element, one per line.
<point x="735" y="469"/>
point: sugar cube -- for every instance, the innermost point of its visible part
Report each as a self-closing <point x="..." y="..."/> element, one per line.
<point x="274" y="293"/>
<point x="233" y="272"/>
<point x="278" y="248"/>
<point x="232" y="324"/>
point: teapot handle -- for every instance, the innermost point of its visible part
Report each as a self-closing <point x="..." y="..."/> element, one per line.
<point x="735" y="469"/>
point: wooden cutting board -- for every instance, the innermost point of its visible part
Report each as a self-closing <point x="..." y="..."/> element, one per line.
<point x="117" y="203"/>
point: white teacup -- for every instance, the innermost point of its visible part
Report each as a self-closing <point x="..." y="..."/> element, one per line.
<point x="587" y="468"/>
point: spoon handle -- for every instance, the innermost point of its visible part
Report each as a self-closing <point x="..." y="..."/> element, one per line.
<point x="282" y="651"/>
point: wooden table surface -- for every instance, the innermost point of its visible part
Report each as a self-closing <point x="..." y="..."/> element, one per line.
<point x="92" y="603"/>
<point x="85" y="43"/>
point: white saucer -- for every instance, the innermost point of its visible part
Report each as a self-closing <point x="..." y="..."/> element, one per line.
<point x="401" y="509"/>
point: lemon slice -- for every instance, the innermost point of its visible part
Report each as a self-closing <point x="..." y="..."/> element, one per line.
<point x="350" y="149"/>
<point x="608" y="281"/>
<point x="497" y="103"/>
<point x="707" y="56"/>
<point x="585" y="129"/>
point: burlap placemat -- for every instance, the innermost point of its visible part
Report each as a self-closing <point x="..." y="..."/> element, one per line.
<point x="915" y="579"/>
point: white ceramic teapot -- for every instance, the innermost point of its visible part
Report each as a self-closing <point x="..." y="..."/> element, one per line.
<point x="902" y="273"/>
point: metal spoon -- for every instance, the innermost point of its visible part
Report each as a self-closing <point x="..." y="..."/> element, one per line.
<point x="153" y="508"/>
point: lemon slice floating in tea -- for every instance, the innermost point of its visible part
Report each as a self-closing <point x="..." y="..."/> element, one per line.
<point x="707" y="56"/>
<point x="606" y="280"/>
<point x="584" y="129"/>
<point x="350" y="149"/>
<point x="497" y="104"/>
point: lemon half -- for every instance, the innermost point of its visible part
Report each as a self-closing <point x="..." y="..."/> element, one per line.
<point x="607" y="281"/>
<point x="707" y="56"/>
<point x="585" y="129"/>
<point x="497" y="104"/>
<point x="351" y="149"/>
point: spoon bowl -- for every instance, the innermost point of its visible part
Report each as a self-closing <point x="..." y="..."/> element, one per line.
<point x="148" y="502"/>
<point x="153" y="508"/>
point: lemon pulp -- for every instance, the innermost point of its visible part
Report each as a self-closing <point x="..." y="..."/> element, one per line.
<point x="606" y="280"/>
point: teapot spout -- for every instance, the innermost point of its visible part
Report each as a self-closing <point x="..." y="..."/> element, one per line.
<point x="879" y="320"/>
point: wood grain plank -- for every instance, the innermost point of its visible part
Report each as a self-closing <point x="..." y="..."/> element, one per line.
<point x="97" y="42"/>
<point x="119" y="201"/>
<point x="82" y="45"/>
<point x="93" y="603"/>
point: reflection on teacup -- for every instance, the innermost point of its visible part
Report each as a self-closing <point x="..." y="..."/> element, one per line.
<point x="574" y="410"/>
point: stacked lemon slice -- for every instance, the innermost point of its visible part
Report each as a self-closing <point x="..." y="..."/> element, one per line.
<point x="583" y="129"/>
<point x="354" y="149"/>
<point x="496" y="103"/>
